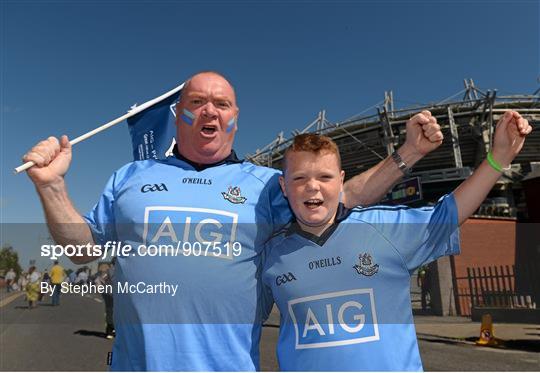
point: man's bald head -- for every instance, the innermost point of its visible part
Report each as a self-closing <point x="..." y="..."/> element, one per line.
<point x="201" y="74"/>
<point x="206" y="118"/>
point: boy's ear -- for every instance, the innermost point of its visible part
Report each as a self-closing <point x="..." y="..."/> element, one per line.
<point x="282" y="185"/>
<point x="342" y="174"/>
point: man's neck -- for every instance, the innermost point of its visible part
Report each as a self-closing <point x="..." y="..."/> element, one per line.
<point x="230" y="158"/>
<point x="198" y="160"/>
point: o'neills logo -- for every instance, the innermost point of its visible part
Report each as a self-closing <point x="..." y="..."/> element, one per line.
<point x="196" y="180"/>
<point x="326" y="262"/>
<point x="233" y="195"/>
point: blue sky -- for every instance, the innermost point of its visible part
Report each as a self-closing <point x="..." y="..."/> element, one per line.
<point x="69" y="66"/>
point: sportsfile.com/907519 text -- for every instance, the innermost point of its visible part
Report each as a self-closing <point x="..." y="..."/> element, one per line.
<point x="114" y="248"/>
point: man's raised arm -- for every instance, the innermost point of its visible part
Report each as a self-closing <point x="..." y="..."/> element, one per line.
<point x="423" y="136"/>
<point x="66" y="225"/>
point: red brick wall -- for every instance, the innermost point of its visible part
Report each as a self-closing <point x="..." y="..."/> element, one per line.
<point x="486" y="242"/>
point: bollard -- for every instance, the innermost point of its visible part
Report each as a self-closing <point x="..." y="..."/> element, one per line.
<point x="487" y="336"/>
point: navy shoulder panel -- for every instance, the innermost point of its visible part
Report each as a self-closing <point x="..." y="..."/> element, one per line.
<point x="263" y="174"/>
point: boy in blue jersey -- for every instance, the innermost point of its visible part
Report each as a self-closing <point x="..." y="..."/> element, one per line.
<point x="341" y="277"/>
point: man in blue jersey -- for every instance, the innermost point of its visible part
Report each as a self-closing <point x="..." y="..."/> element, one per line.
<point x="196" y="306"/>
<point x="341" y="277"/>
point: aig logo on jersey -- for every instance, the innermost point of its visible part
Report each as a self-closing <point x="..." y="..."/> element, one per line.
<point x="334" y="319"/>
<point x="169" y="225"/>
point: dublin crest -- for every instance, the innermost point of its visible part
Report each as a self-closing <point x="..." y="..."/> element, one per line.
<point x="365" y="265"/>
<point x="233" y="195"/>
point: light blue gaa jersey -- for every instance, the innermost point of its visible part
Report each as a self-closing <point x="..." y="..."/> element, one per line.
<point x="212" y="323"/>
<point x="344" y="297"/>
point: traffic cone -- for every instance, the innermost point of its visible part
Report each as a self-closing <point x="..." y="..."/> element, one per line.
<point x="487" y="336"/>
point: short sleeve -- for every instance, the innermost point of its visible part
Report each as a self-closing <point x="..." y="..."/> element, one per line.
<point x="279" y="207"/>
<point x="267" y="302"/>
<point x="101" y="218"/>
<point x="422" y="235"/>
<point x="267" y="297"/>
<point x="272" y="210"/>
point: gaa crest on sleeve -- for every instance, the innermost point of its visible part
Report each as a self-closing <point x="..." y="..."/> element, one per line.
<point x="365" y="265"/>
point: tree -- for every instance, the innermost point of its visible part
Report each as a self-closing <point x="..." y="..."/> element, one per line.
<point x="9" y="259"/>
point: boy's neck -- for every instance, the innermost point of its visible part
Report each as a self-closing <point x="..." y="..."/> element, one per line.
<point x="319" y="230"/>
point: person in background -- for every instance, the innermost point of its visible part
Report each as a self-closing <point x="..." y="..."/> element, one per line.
<point x="32" y="287"/>
<point x="22" y="281"/>
<point x="72" y="277"/>
<point x="45" y="278"/>
<point x="82" y="276"/>
<point x="57" y="277"/>
<point x="10" y="279"/>
<point x="105" y="277"/>
<point x="423" y="281"/>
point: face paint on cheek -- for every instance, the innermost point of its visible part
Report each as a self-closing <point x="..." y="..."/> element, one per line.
<point x="187" y="116"/>
<point x="231" y="125"/>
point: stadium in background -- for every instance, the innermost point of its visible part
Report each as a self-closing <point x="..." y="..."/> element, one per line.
<point x="498" y="268"/>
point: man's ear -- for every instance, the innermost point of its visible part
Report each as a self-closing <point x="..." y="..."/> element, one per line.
<point x="236" y="118"/>
<point x="177" y="116"/>
<point x="282" y="185"/>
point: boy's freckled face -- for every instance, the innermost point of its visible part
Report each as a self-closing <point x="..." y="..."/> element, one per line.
<point x="312" y="183"/>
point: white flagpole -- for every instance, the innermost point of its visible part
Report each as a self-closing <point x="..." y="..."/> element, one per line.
<point x="134" y="111"/>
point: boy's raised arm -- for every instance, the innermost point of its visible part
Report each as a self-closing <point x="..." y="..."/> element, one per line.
<point x="510" y="135"/>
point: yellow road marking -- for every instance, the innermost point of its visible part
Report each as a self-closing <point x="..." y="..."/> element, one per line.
<point x="11" y="298"/>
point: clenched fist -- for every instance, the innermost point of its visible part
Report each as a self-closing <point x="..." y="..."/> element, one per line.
<point x="510" y="135"/>
<point x="423" y="133"/>
<point x="52" y="159"/>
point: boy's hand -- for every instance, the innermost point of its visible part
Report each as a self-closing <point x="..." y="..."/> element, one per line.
<point x="510" y="135"/>
<point x="423" y="133"/>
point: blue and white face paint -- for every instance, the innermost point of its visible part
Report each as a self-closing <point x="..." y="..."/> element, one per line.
<point x="187" y="116"/>
<point x="231" y="124"/>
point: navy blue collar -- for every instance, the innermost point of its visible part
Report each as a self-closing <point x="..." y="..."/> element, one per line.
<point x="342" y="213"/>
<point x="230" y="159"/>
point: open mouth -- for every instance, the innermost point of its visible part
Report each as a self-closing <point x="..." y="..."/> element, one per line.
<point x="313" y="203"/>
<point x="208" y="130"/>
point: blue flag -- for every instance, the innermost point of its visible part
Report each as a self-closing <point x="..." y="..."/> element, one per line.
<point x="153" y="130"/>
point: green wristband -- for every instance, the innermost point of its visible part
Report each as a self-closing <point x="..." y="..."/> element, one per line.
<point x="493" y="163"/>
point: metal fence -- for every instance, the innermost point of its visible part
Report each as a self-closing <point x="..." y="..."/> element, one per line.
<point x="494" y="286"/>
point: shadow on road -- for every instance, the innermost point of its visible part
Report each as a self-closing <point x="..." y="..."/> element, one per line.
<point x="421" y="312"/>
<point x="91" y="333"/>
<point x="514" y="344"/>
<point x="21" y="307"/>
